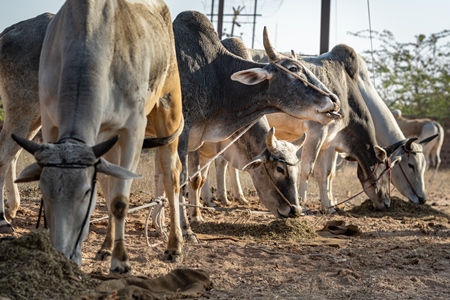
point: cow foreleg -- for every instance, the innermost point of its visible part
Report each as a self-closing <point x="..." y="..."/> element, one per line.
<point x="194" y="187"/>
<point x="170" y="166"/>
<point x="206" y="194"/>
<point x="221" y="171"/>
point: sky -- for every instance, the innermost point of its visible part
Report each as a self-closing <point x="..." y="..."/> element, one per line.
<point x="293" y="24"/>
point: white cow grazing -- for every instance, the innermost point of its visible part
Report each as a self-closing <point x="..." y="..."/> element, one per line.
<point x="271" y="163"/>
<point x="423" y="128"/>
<point x="105" y="67"/>
<point x="408" y="176"/>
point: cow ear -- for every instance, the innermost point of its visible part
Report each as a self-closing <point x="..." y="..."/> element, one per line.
<point x="255" y="163"/>
<point x="380" y="153"/>
<point x="345" y="156"/>
<point x="108" y="168"/>
<point x="251" y="76"/>
<point x="30" y="173"/>
<point x="396" y="160"/>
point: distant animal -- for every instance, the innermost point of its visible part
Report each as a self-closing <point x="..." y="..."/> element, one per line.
<point x="223" y="92"/>
<point x="423" y="128"/>
<point x="106" y="68"/>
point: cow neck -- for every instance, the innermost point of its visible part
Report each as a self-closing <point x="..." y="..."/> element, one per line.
<point x="253" y="142"/>
<point x="384" y="121"/>
<point x="240" y="103"/>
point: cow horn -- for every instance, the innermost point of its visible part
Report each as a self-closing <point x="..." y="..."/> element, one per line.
<point x="408" y="144"/>
<point x="105" y="146"/>
<point x="28" y="145"/>
<point x="392" y="148"/>
<point x="270" y="50"/>
<point x="300" y="141"/>
<point x="425" y="141"/>
<point x="294" y="56"/>
<point x="270" y="140"/>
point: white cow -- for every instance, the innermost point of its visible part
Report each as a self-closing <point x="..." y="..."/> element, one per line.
<point x="423" y="128"/>
<point x="271" y="163"/>
<point x="105" y="67"/>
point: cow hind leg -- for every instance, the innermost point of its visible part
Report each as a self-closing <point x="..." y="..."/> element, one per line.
<point x="8" y="158"/>
<point x="195" y="185"/>
<point x="323" y="174"/>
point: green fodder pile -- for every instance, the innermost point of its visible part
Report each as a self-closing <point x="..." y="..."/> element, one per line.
<point x="399" y="208"/>
<point x="30" y="268"/>
<point x="295" y="229"/>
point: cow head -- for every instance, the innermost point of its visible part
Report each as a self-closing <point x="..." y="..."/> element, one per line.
<point x="275" y="172"/>
<point x="292" y="87"/>
<point x="408" y="176"/>
<point x="66" y="174"/>
<point x="376" y="184"/>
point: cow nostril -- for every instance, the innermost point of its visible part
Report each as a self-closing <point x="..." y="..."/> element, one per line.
<point x="334" y="98"/>
<point x="422" y="200"/>
<point x="295" y="211"/>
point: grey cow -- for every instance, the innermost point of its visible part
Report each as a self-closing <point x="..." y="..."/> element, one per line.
<point x="223" y="92"/>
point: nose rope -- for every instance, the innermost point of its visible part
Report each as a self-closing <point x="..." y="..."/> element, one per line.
<point x="277" y="189"/>
<point x="404" y="174"/>
<point x="94" y="181"/>
<point x="304" y="80"/>
<point x="388" y="169"/>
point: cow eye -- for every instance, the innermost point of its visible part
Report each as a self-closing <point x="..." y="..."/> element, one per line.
<point x="280" y="169"/>
<point x="411" y="166"/>
<point x="293" y="69"/>
<point x="87" y="193"/>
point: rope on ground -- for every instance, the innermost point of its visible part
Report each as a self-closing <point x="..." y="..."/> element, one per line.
<point x="158" y="220"/>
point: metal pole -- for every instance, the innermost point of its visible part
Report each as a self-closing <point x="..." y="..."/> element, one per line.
<point x="220" y="19"/>
<point x="325" y="26"/>
<point x="212" y="11"/>
<point x="254" y="24"/>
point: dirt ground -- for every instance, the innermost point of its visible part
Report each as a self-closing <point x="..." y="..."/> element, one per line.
<point x="402" y="253"/>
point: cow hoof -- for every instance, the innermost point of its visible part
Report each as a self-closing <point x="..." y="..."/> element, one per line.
<point x="173" y="256"/>
<point x="125" y="269"/>
<point x="6" y="228"/>
<point x="242" y="201"/>
<point x="103" y="255"/>
<point x="195" y="224"/>
<point x="190" y="237"/>
<point x="225" y="202"/>
<point x="209" y="203"/>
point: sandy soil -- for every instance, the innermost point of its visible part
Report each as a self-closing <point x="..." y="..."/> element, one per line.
<point x="402" y="253"/>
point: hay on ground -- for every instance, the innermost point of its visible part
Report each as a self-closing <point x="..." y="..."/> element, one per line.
<point x="31" y="268"/>
<point x="295" y="229"/>
<point x="399" y="208"/>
